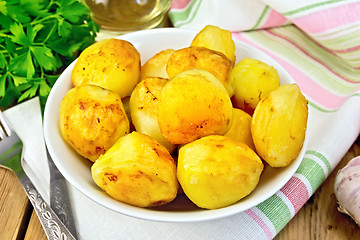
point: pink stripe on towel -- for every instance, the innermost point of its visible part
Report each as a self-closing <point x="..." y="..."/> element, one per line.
<point x="295" y="190"/>
<point x="260" y="222"/>
<point x="274" y="19"/>
<point x="326" y="19"/>
<point x="180" y="4"/>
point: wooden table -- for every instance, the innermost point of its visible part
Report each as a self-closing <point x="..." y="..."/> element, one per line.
<point x="318" y="219"/>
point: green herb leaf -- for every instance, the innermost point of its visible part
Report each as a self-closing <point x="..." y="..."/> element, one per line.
<point x="18" y="80"/>
<point x="58" y="46"/>
<point x="10" y="46"/>
<point x="44" y="89"/>
<point x="32" y="32"/>
<point x="3" y="9"/>
<point x="44" y="57"/>
<point x="21" y="64"/>
<point x="5" y="22"/>
<point x="11" y="92"/>
<point x="31" y="92"/>
<point x="2" y="85"/>
<point x="73" y="10"/>
<point x="35" y="8"/>
<point x="19" y="35"/>
<point x="3" y="61"/>
<point x="52" y="79"/>
<point x="39" y="38"/>
<point x="18" y="13"/>
<point x="64" y="28"/>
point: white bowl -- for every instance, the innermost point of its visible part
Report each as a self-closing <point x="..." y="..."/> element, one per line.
<point x="77" y="169"/>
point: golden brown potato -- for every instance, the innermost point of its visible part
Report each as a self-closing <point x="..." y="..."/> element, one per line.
<point x="112" y="64"/>
<point x="252" y="81"/>
<point x="279" y="124"/>
<point x="144" y="103"/>
<point x="125" y="102"/>
<point x="201" y="58"/>
<point x="156" y="66"/>
<point x="240" y="129"/>
<point x="217" y="39"/>
<point x="137" y="170"/>
<point x="193" y="104"/>
<point x="216" y="171"/>
<point x="92" y="119"/>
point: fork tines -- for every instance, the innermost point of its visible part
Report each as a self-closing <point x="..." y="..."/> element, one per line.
<point x="5" y="131"/>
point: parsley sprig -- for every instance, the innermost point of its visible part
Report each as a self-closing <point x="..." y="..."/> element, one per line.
<point x="38" y="39"/>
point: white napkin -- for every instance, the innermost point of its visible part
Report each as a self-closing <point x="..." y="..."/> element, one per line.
<point x="26" y="120"/>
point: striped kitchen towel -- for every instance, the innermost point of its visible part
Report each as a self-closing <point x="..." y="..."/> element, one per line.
<point x="318" y="43"/>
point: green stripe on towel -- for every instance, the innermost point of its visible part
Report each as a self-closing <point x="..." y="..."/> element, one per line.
<point x="313" y="172"/>
<point x="180" y="18"/>
<point x="272" y="207"/>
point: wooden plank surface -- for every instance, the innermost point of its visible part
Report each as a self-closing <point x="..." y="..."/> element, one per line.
<point x="35" y="230"/>
<point x="15" y="208"/>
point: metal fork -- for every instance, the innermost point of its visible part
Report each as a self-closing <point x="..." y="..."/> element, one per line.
<point x="11" y="157"/>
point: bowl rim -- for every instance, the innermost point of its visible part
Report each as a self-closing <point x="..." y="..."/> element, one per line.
<point x="145" y="213"/>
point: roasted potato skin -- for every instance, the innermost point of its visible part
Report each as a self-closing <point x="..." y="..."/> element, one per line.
<point x="91" y="120"/>
<point x="193" y="104"/>
<point x="216" y="171"/>
<point x="156" y="65"/>
<point x="252" y="80"/>
<point x="240" y="129"/>
<point x="218" y="39"/>
<point x="137" y="170"/>
<point x="144" y="103"/>
<point x="201" y="58"/>
<point x="279" y="125"/>
<point x="113" y="64"/>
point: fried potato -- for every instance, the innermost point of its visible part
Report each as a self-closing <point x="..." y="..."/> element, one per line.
<point x="137" y="170"/>
<point x="201" y="58"/>
<point x="252" y="80"/>
<point x="279" y="124"/>
<point x="126" y="105"/>
<point x="217" y="39"/>
<point x="91" y="120"/>
<point x="240" y="129"/>
<point x="156" y="66"/>
<point x="193" y="104"/>
<point x="143" y="104"/>
<point x="216" y="171"/>
<point x="113" y="64"/>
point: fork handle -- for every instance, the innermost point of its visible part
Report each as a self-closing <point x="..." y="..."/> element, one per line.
<point x="53" y="226"/>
